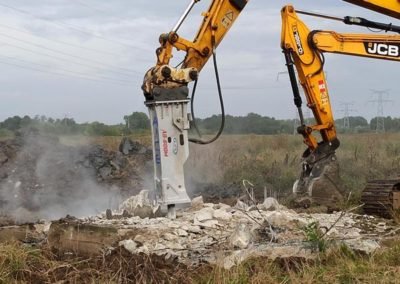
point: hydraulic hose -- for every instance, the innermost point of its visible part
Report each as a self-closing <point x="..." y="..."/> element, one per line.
<point x="221" y="101"/>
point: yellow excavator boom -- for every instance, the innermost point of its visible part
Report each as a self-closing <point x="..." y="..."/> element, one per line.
<point x="217" y="21"/>
<point x="387" y="7"/>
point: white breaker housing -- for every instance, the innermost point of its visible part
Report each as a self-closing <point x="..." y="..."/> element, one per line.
<point x="169" y="126"/>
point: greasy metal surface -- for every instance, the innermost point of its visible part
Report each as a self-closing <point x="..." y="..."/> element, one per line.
<point x="381" y="197"/>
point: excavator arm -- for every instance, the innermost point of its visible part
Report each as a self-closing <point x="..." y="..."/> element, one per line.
<point x="217" y="21"/>
<point x="167" y="95"/>
<point x="387" y="7"/>
<point x="303" y="50"/>
<point x="385" y="47"/>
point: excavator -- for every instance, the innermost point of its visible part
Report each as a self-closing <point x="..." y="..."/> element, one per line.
<point x="166" y="92"/>
<point x="304" y="49"/>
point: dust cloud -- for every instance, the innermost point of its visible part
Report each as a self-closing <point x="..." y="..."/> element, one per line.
<point x="42" y="179"/>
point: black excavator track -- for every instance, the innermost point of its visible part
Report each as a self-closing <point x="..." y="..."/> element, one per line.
<point x="381" y="197"/>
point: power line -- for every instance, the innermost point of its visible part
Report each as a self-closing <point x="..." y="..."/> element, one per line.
<point x="70" y="55"/>
<point x="55" y="73"/>
<point x="99" y="77"/>
<point x="48" y="55"/>
<point x="90" y="7"/>
<point x="69" y="26"/>
<point x="60" y="41"/>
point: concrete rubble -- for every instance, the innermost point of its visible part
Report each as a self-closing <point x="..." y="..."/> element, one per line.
<point x="218" y="233"/>
<point x="140" y="205"/>
<point x="241" y="236"/>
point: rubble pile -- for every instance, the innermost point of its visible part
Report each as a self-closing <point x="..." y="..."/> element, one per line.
<point x="38" y="172"/>
<point x="222" y="234"/>
<point x="226" y="193"/>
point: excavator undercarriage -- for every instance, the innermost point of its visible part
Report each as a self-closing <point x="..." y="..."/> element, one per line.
<point x="381" y="197"/>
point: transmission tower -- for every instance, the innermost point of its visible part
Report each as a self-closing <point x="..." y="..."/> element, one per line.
<point x="346" y="113"/>
<point x="380" y="101"/>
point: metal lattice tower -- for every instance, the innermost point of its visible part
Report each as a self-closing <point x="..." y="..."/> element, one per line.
<point x="346" y="113"/>
<point x="380" y="101"/>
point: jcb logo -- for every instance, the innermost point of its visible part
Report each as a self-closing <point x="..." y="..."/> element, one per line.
<point x="385" y="49"/>
<point x="297" y="39"/>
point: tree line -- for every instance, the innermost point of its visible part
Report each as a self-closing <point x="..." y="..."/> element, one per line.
<point x="256" y="124"/>
<point x="138" y="122"/>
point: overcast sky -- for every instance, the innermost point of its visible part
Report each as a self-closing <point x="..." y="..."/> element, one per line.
<point x="86" y="59"/>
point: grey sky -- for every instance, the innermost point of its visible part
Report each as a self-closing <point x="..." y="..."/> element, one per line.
<point x="86" y="58"/>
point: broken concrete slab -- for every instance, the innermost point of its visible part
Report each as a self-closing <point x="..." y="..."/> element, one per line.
<point x="240" y="205"/>
<point x="222" y="215"/>
<point x="241" y="237"/>
<point x="285" y="219"/>
<point x="23" y="233"/>
<point x="270" y="204"/>
<point x="181" y="232"/>
<point x="197" y="201"/>
<point x="81" y="239"/>
<point x="141" y="205"/>
<point x="170" y="237"/>
<point x="363" y="246"/>
<point x="271" y="251"/>
<point x="202" y="215"/>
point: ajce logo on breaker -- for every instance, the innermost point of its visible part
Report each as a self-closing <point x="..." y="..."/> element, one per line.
<point x="383" y="48"/>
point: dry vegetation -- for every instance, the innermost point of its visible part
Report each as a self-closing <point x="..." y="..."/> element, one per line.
<point x="274" y="161"/>
<point x="108" y="142"/>
<point x="24" y="264"/>
<point x="271" y="161"/>
<point x="338" y="265"/>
